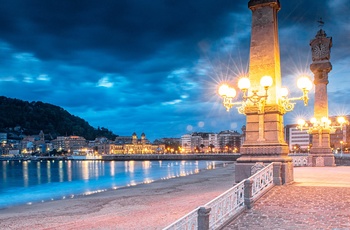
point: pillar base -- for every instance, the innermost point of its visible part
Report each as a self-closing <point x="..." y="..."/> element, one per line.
<point x="244" y="164"/>
<point x="321" y="160"/>
<point x="321" y="157"/>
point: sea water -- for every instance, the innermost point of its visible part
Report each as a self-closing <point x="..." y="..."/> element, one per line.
<point x="28" y="182"/>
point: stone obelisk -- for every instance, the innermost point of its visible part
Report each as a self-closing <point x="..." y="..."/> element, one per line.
<point x="264" y="129"/>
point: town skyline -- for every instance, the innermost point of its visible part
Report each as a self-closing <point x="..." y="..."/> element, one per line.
<point x="154" y="68"/>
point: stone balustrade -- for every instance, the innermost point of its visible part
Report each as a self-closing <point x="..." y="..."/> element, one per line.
<point x="223" y="209"/>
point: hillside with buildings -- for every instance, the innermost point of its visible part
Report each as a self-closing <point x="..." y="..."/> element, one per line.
<point x="20" y="118"/>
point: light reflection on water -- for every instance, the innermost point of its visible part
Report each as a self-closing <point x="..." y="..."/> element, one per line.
<point x="28" y="182"/>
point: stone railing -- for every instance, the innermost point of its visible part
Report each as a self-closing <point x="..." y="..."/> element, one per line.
<point x="224" y="207"/>
<point x="190" y="221"/>
<point x="220" y="211"/>
<point x="299" y="159"/>
<point x="342" y="159"/>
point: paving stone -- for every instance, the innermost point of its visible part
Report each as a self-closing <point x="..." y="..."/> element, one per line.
<point x="299" y="207"/>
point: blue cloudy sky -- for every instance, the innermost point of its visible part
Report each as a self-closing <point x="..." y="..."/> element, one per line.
<point x="154" y="66"/>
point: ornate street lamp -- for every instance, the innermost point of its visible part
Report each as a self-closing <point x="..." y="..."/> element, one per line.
<point x="321" y="124"/>
<point x="228" y="94"/>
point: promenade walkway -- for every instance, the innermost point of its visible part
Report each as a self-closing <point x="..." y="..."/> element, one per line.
<point x="319" y="198"/>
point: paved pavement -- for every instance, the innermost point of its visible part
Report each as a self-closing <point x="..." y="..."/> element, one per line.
<point x="319" y="198"/>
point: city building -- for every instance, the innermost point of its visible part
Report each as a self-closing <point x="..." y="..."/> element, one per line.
<point x="340" y="139"/>
<point x="229" y="141"/>
<point x="298" y="140"/>
<point x="69" y="143"/>
<point x="202" y="142"/>
<point x="186" y="143"/>
<point x="134" y="145"/>
<point x="301" y="141"/>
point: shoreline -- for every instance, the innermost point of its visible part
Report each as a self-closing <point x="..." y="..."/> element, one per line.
<point x="143" y="206"/>
<point x="134" y="157"/>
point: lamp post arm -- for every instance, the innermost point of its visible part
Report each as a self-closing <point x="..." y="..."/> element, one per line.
<point x="304" y="98"/>
<point x="228" y="103"/>
<point x="255" y="98"/>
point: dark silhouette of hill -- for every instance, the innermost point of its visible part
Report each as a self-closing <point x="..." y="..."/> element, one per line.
<point x="19" y="117"/>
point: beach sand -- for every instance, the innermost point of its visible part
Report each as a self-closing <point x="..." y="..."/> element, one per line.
<point x="145" y="206"/>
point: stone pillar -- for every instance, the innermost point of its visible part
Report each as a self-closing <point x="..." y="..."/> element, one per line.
<point x="203" y="218"/>
<point x="321" y="152"/>
<point x="248" y="201"/>
<point x="264" y="129"/>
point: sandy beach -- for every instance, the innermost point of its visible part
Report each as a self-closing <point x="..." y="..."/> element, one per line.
<point x="145" y="206"/>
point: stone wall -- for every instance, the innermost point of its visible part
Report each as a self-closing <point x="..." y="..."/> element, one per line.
<point x="343" y="160"/>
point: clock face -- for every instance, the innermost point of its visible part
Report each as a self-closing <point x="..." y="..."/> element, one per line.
<point x="319" y="50"/>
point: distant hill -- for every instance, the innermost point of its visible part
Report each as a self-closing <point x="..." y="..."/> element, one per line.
<point x="19" y="117"/>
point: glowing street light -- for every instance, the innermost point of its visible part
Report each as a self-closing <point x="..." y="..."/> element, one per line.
<point x="321" y="124"/>
<point x="228" y="94"/>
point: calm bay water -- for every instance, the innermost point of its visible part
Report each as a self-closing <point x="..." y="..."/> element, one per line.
<point x="27" y="182"/>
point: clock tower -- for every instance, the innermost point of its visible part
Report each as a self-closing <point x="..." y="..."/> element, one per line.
<point x="321" y="152"/>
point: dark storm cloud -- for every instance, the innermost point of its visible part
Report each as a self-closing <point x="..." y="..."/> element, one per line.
<point x="150" y="66"/>
<point x="128" y="29"/>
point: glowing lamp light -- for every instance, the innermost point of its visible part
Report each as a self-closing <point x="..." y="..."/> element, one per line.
<point x="304" y="83"/>
<point x="259" y="99"/>
<point x="341" y="120"/>
<point x="231" y="92"/>
<point x="324" y="120"/>
<point x="223" y="90"/>
<point x="301" y="122"/>
<point x="244" y="83"/>
<point x="313" y="120"/>
<point x="266" y="81"/>
<point x="284" y="92"/>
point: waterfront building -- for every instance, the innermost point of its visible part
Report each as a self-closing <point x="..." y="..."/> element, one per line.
<point x="198" y="142"/>
<point x="134" y="145"/>
<point x="69" y="143"/>
<point x="101" y="145"/>
<point x="297" y="140"/>
<point x="186" y="143"/>
<point x="212" y="142"/>
<point x="119" y="140"/>
<point x="172" y="145"/>
<point x="34" y="144"/>
<point x="229" y="141"/>
<point x="225" y="141"/>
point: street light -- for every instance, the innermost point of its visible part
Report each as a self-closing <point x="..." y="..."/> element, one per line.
<point x="304" y="83"/>
<point x="321" y="124"/>
<point x="228" y="94"/>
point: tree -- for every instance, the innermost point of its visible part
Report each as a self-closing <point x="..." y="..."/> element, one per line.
<point x="211" y="147"/>
<point x="202" y="147"/>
